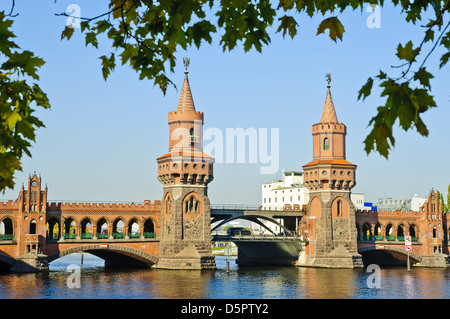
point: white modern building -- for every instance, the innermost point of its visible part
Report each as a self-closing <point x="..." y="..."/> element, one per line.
<point x="289" y="190"/>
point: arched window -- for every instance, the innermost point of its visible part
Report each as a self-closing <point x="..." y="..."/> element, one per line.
<point x="339" y="208"/>
<point x="389" y="232"/>
<point x="412" y="231"/>
<point x="6" y="229"/>
<point x="133" y="229"/>
<point x="118" y="229"/>
<point x="33" y="227"/>
<point x="400" y="233"/>
<point x="326" y="144"/>
<point x="102" y="229"/>
<point x="149" y="229"/>
<point x="87" y="231"/>
<point x="367" y="232"/>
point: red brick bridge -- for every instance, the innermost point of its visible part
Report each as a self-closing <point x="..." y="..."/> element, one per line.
<point x="36" y="232"/>
<point x="123" y="234"/>
<point x="381" y="235"/>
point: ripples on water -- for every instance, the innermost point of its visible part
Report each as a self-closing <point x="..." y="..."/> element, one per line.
<point x="239" y="283"/>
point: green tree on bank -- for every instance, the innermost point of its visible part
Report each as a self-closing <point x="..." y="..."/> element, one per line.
<point x="145" y="35"/>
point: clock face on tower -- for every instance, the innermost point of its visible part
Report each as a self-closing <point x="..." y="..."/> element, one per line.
<point x="34" y="183"/>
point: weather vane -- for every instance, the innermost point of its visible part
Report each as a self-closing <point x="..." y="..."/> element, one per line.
<point x="328" y="76"/>
<point x="186" y="62"/>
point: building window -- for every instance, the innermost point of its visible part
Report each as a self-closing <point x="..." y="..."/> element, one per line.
<point x="326" y="144"/>
<point x="33" y="227"/>
<point x="339" y="208"/>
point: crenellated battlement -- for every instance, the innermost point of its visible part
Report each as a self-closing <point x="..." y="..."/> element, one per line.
<point x="390" y="214"/>
<point x="8" y="205"/>
<point x="147" y="205"/>
<point x="330" y="127"/>
<point x="181" y="116"/>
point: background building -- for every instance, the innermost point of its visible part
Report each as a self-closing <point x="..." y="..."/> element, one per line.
<point x="389" y="204"/>
<point x="290" y="190"/>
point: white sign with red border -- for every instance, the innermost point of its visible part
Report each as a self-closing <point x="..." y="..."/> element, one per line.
<point x="408" y="243"/>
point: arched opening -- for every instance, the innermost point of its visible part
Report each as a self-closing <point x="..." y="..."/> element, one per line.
<point x="102" y="229"/>
<point x="69" y="229"/>
<point x="326" y="144"/>
<point x="6" y="229"/>
<point x="192" y="204"/>
<point x="367" y="232"/>
<point x="53" y="229"/>
<point x="149" y="229"/>
<point x="400" y="233"/>
<point x="377" y="232"/>
<point x="87" y="230"/>
<point x="95" y="256"/>
<point x="389" y="233"/>
<point x="339" y="208"/>
<point x="118" y="229"/>
<point x="33" y="227"/>
<point x="412" y="232"/>
<point x="434" y="232"/>
<point x="133" y="229"/>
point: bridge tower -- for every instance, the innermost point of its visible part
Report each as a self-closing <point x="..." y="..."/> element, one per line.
<point x="31" y="227"/>
<point x="330" y="219"/>
<point x="185" y="172"/>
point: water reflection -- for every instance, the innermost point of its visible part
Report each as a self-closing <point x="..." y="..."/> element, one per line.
<point x="239" y="283"/>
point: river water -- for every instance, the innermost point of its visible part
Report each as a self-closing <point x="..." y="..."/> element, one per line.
<point x="94" y="281"/>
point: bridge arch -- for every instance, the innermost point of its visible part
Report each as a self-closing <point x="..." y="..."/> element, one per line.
<point x="114" y="255"/>
<point x="6" y="262"/>
<point x="255" y="219"/>
<point x="387" y="255"/>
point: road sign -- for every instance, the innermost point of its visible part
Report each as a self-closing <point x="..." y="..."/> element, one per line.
<point x="408" y="243"/>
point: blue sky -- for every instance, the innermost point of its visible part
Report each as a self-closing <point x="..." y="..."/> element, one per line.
<point x="102" y="139"/>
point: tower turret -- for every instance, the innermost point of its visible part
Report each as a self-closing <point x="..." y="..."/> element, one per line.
<point x="185" y="171"/>
<point x="330" y="211"/>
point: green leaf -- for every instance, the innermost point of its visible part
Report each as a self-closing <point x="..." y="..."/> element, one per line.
<point x="380" y="139"/>
<point x="67" y="32"/>
<point x="334" y="25"/>
<point x="407" y="52"/>
<point x="108" y="64"/>
<point x="91" y="39"/>
<point x="423" y="77"/>
<point x="13" y="118"/>
<point x="366" y="89"/>
<point x="444" y="59"/>
<point x="288" y="24"/>
<point x="24" y="62"/>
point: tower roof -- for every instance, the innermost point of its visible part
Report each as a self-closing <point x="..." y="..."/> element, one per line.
<point x="186" y="102"/>
<point x="329" y="113"/>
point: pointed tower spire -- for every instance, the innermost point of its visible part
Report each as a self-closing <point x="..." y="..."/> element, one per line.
<point x="186" y="102"/>
<point x="329" y="113"/>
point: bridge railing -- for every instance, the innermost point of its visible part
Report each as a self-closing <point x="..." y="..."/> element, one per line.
<point x="257" y="237"/>
<point x="246" y="207"/>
